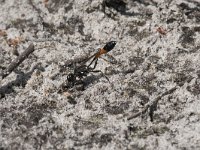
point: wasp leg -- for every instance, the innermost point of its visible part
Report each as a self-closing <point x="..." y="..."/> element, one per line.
<point x="109" y="61"/>
<point x="92" y="61"/>
<point x="112" y="59"/>
<point x="95" y="64"/>
<point x="101" y="74"/>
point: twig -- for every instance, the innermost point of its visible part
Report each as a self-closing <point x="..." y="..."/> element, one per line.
<point x="14" y="64"/>
<point x="151" y="104"/>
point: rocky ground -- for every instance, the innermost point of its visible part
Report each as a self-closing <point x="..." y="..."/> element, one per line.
<point x="152" y="100"/>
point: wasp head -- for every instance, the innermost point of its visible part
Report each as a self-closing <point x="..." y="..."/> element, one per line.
<point x="109" y="46"/>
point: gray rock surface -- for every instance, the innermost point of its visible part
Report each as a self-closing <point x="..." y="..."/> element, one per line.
<point x="158" y="49"/>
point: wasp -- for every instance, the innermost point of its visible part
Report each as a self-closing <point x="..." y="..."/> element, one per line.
<point x="82" y="70"/>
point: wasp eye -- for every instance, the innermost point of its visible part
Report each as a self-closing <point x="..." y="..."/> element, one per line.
<point x="109" y="46"/>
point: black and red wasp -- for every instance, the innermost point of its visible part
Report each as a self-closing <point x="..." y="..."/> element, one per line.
<point x="82" y="70"/>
